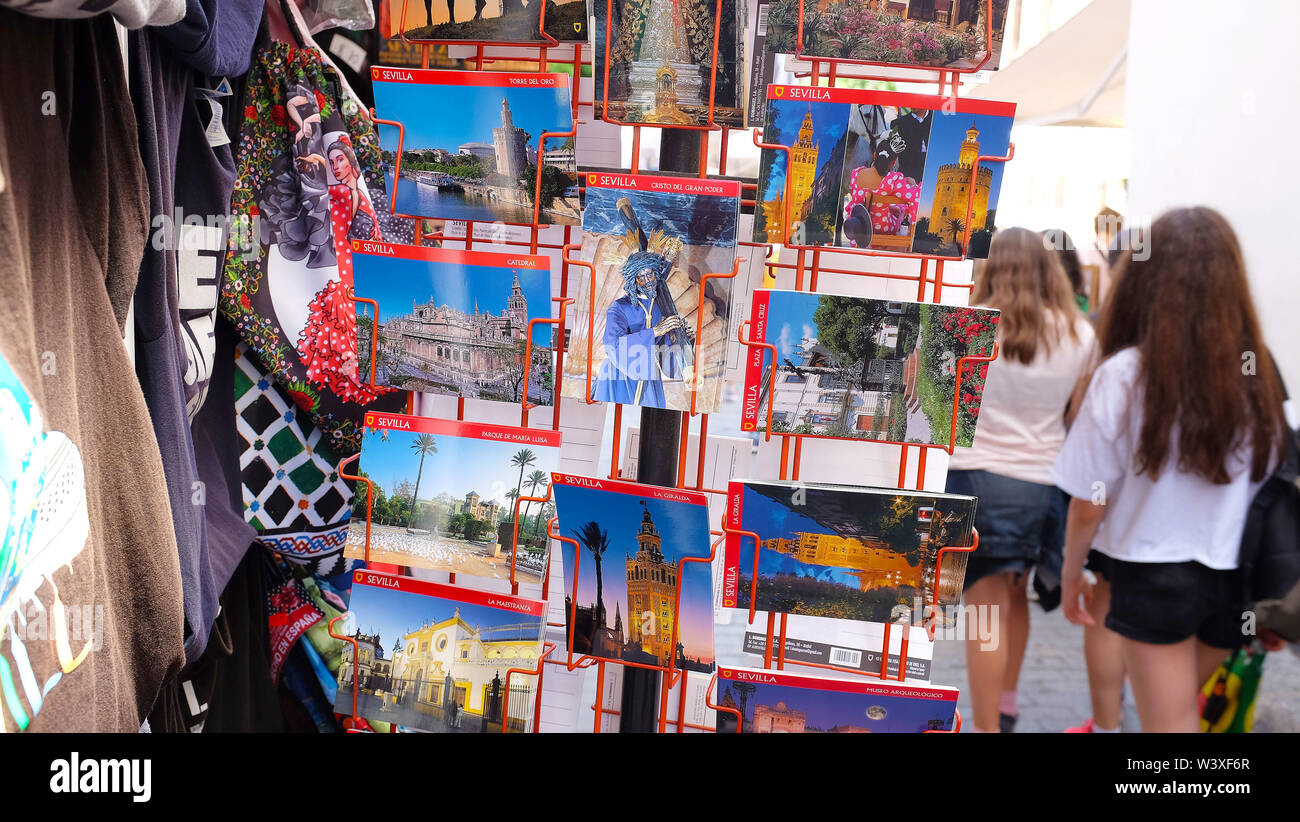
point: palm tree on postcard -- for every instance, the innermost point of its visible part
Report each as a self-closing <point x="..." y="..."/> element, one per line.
<point x="423" y="445"/>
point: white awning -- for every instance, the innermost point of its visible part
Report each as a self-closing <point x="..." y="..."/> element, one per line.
<point x="1074" y="76"/>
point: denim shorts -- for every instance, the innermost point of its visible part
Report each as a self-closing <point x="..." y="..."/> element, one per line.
<point x="1021" y="524"/>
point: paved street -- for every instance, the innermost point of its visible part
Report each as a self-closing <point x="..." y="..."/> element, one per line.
<point x="1054" y="686"/>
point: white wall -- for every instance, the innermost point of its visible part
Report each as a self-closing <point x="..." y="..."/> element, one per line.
<point x="1213" y="116"/>
<point x="1041" y="191"/>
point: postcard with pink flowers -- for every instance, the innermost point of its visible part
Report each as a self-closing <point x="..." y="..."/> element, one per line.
<point x="904" y="174"/>
<point x="960" y="34"/>
<point x="866" y="369"/>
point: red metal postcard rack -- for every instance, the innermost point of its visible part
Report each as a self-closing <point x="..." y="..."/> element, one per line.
<point x="808" y="261"/>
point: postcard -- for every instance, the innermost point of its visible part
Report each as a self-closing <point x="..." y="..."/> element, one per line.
<point x="499" y="21"/>
<point x="866" y="369"/>
<point x="643" y="611"/>
<point x="657" y="58"/>
<point x="928" y="33"/>
<point x="455" y="322"/>
<point x="445" y="496"/>
<point x="845" y="552"/>
<point x="471" y="142"/>
<point x="778" y="702"/>
<point x="656" y="330"/>
<point x="875" y="169"/>
<point x="439" y="658"/>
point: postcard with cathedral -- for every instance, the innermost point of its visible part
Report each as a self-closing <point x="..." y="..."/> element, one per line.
<point x="845" y="552"/>
<point x="436" y="657"/>
<point x="509" y="21"/>
<point x="658" y="333"/>
<point x="627" y="610"/>
<point x="764" y="701"/>
<point x="444" y="496"/>
<point x="454" y="322"/>
<point x="894" y="172"/>
<point x="866" y="369"/>
<point x="471" y="144"/>
<point x="659" y="58"/>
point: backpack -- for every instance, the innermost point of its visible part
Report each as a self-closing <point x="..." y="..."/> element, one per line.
<point x="1269" y="558"/>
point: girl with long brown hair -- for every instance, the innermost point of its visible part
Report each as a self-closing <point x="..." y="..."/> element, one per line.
<point x="1181" y="423"/>
<point x="1045" y="342"/>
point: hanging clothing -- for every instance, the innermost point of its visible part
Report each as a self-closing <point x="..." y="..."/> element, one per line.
<point x="191" y="172"/>
<point x="90" y="586"/>
<point x="130" y="13"/>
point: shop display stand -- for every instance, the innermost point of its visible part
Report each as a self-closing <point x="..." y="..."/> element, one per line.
<point x="806" y="268"/>
<point x="808" y="264"/>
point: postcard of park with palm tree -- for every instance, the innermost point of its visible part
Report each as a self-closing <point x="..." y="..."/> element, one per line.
<point x="649" y="607"/>
<point x="867" y="369"/>
<point x="445" y="494"/>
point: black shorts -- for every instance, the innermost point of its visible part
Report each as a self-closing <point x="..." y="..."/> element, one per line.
<point x="1166" y="602"/>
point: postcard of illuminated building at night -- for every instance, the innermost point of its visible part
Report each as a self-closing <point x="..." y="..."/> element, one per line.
<point x="631" y="542"/>
<point x="845" y="552"/>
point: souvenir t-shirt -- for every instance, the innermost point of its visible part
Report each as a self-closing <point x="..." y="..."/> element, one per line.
<point x="90" y="586"/>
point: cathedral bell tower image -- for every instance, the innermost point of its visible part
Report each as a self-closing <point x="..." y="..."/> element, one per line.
<point x="651" y="593"/>
<point x="803" y="173"/>
<point x="517" y="307"/>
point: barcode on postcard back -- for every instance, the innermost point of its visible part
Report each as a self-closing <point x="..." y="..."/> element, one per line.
<point x="846" y="657"/>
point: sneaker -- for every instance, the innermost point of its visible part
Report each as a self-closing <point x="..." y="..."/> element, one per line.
<point x="1085" y="728"/>
<point x="1006" y="723"/>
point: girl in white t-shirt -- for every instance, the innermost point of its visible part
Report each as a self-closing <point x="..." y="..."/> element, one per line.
<point x="1045" y="342"/>
<point x="1181" y="423"/>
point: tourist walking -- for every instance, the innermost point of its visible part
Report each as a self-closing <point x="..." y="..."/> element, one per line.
<point x="1182" y="421"/>
<point x="1045" y="344"/>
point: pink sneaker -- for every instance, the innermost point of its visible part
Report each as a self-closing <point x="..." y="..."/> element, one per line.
<point x="1085" y="728"/>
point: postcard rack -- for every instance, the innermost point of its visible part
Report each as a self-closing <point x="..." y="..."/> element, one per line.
<point x="808" y="263"/>
<point x="806" y="267"/>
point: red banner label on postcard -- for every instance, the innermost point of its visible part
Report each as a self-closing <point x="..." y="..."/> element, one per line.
<point x="522" y="605"/>
<point x="451" y="256"/>
<point x="962" y="105"/>
<point x="634" y="488"/>
<point x="731" y="558"/>
<point x="442" y="77"/>
<point x="456" y="428"/>
<point x="754" y="365"/>
<point x="848" y="686"/>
